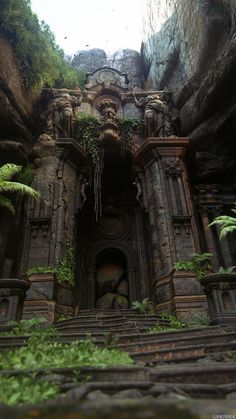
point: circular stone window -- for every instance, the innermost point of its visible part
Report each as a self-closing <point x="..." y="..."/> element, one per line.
<point x="111" y="226"/>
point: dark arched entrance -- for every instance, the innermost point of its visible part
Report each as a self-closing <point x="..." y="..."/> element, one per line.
<point x="110" y="270"/>
<point x="111" y="280"/>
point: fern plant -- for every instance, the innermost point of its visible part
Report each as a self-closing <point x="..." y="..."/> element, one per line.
<point x="7" y="172"/>
<point x="143" y="307"/>
<point x="198" y="263"/>
<point x="227" y="224"/>
<point x="229" y="270"/>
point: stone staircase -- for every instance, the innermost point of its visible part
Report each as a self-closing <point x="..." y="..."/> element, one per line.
<point x="197" y="363"/>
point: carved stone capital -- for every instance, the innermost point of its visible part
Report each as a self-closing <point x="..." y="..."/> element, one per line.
<point x="172" y="167"/>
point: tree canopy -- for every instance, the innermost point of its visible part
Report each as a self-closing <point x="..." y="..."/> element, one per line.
<point x="41" y="61"/>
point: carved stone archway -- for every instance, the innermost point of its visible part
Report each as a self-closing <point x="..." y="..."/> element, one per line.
<point x="92" y="258"/>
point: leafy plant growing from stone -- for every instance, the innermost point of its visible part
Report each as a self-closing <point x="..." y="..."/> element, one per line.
<point x="128" y="127"/>
<point x="7" y="172"/>
<point x="143" y="307"/>
<point x="40" y="269"/>
<point x="198" y="263"/>
<point x="174" y="324"/>
<point x="17" y="390"/>
<point x="65" y="271"/>
<point x="227" y="224"/>
<point x="229" y="270"/>
<point x="86" y="132"/>
<point x="200" y="320"/>
<point x="26" y="327"/>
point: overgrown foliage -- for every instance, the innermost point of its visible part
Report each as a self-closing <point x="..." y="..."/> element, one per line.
<point x="7" y="172"/>
<point x="65" y="271"/>
<point x="198" y="263"/>
<point x="229" y="270"/>
<point x="173" y="324"/>
<point x="86" y="132"/>
<point x="42" y="352"/>
<point x="26" y="327"/>
<point x="128" y="127"/>
<point x="200" y="320"/>
<point x="40" y="269"/>
<point x="143" y="307"/>
<point x="227" y="224"/>
<point x="41" y="61"/>
<point x="17" y="390"/>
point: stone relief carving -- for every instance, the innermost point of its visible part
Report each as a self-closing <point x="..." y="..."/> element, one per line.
<point x="59" y="114"/>
<point x="106" y="77"/>
<point x="172" y="167"/>
<point x="157" y="116"/>
<point x="108" y="106"/>
<point x="83" y="184"/>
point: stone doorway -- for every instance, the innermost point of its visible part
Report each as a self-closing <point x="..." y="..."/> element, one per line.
<point x="111" y="283"/>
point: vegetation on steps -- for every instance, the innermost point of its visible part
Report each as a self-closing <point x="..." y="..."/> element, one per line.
<point x="21" y="389"/>
<point x="42" y="352"/>
<point x="41" y="61"/>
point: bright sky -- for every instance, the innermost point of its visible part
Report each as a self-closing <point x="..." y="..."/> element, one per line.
<point x="85" y="24"/>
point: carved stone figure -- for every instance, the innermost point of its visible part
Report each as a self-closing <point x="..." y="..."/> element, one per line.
<point x="59" y="115"/>
<point x="108" y="108"/>
<point x="83" y="183"/>
<point x="138" y="185"/>
<point x="158" y="119"/>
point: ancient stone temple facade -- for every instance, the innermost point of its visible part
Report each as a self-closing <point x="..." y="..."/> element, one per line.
<point x="117" y="204"/>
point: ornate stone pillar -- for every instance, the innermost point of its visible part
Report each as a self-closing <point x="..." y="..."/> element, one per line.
<point x="172" y="224"/>
<point x="209" y="237"/>
<point x="50" y="221"/>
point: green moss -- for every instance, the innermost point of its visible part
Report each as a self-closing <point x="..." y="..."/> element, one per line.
<point x="41" y="61"/>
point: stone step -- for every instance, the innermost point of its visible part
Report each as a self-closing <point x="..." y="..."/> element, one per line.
<point x="108" y="374"/>
<point x="148" y="388"/>
<point x="212" y="373"/>
<point x="114" y="322"/>
<point x="174" y="342"/>
<point x="139" y="327"/>
<point x="196" y="390"/>
<point x="107" y="317"/>
<point x="182" y="353"/>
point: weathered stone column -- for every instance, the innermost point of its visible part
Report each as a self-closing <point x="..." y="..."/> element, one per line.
<point x="171" y="219"/>
<point x="50" y="221"/>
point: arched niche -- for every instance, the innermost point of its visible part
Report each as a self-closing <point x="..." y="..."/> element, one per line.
<point x="120" y="255"/>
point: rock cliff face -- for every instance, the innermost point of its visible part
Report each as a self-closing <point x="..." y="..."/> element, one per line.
<point x="194" y="55"/>
<point x="16" y="105"/>
<point x="126" y="61"/>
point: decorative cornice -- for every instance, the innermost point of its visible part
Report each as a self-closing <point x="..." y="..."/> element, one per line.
<point x="164" y="147"/>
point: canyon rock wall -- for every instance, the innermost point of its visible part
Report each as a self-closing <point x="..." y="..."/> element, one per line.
<point x="16" y="105"/>
<point x="193" y="55"/>
<point x="126" y="61"/>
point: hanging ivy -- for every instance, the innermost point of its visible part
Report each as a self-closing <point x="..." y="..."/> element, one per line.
<point x="86" y="133"/>
<point x="128" y="127"/>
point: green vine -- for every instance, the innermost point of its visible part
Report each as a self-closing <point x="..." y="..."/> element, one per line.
<point x="86" y="133"/>
<point x="198" y="263"/>
<point x="128" y="127"/>
<point x="65" y="271"/>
